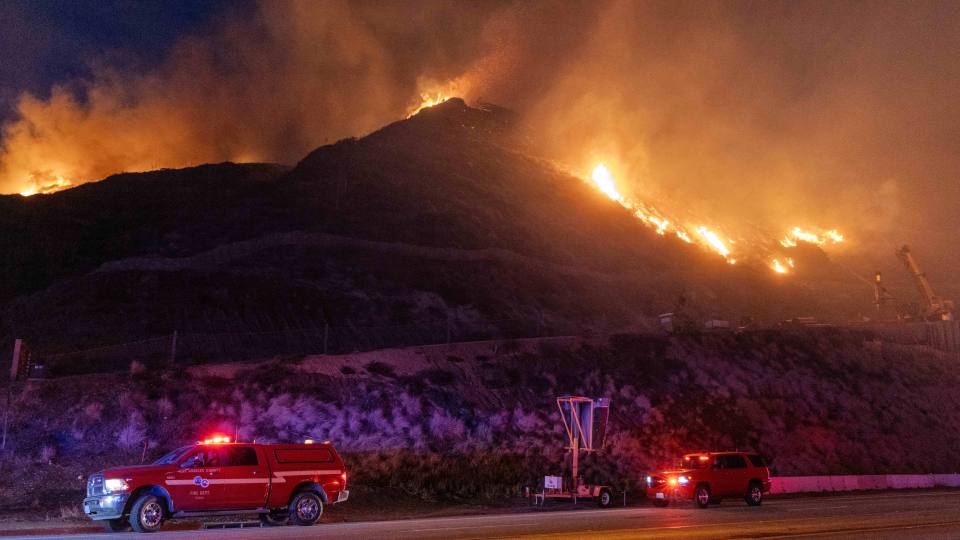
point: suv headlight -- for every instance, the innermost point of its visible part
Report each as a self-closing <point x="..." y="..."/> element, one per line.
<point x="683" y="480"/>
<point x="115" y="485"/>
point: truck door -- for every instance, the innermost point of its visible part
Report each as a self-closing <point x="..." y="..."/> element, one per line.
<point x="243" y="482"/>
<point x="191" y="484"/>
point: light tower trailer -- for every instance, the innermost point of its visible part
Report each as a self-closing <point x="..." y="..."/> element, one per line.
<point x="585" y="423"/>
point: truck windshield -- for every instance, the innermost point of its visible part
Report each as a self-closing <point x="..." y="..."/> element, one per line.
<point x="172" y="457"/>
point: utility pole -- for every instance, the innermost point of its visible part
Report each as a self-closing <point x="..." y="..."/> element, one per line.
<point x="326" y="334"/>
<point x="173" y="348"/>
<point x="14" y="372"/>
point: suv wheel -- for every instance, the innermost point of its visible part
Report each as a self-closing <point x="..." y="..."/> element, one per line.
<point x="701" y="496"/>
<point x="306" y="508"/>
<point x="754" y="494"/>
<point x="146" y="514"/>
<point x="605" y="499"/>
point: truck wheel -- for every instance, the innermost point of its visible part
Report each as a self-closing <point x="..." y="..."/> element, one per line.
<point x="605" y="499"/>
<point x="701" y="496"/>
<point x="146" y="514"/>
<point x="116" y="525"/>
<point x="275" y="518"/>
<point x="306" y="508"/>
<point x="754" y="494"/>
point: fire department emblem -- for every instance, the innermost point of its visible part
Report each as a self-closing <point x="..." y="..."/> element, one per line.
<point x="201" y="481"/>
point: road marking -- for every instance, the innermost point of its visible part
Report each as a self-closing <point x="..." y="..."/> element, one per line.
<point x="865" y="529"/>
<point x="816" y="507"/>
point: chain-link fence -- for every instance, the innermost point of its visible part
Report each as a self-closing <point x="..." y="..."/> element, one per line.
<point x="178" y="348"/>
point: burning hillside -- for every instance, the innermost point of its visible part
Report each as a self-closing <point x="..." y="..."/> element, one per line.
<point x="710" y="131"/>
<point x="479" y="238"/>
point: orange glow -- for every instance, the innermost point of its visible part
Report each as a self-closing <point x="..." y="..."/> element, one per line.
<point x="778" y="267"/>
<point x="216" y="439"/>
<point x="45" y="186"/>
<point x="673" y="481"/>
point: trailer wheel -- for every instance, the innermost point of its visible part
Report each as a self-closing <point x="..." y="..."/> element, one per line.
<point x="306" y="508"/>
<point x="605" y="498"/>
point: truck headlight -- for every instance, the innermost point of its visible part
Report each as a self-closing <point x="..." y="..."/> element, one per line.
<point x="682" y="480"/>
<point x="115" y="485"/>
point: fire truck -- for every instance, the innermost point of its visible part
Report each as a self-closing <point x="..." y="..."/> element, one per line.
<point x="282" y="483"/>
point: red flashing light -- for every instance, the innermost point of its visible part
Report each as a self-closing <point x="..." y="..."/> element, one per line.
<point x="216" y="439"/>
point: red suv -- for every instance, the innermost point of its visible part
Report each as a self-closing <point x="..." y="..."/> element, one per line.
<point x="708" y="477"/>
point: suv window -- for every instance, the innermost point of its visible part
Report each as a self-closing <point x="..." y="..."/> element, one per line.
<point x="731" y="461"/>
<point x="757" y="460"/>
<point x="239" y="456"/>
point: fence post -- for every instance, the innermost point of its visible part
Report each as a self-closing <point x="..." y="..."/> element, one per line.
<point x="173" y="348"/>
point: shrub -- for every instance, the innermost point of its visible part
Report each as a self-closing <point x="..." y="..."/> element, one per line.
<point x="379" y="368"/>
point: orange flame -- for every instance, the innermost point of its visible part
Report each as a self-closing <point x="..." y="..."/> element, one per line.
<point x="427" y="101"/>
<point x="796" y="234"/>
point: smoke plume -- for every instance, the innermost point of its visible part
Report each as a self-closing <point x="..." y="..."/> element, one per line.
<point x="750" y="114"/>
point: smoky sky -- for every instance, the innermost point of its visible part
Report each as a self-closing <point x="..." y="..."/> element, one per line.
<point x="746" y="114"/>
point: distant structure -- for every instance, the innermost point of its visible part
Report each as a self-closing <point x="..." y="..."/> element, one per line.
<point x="933" y="308"/>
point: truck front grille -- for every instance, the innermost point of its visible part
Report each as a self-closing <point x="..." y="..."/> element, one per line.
<point x="95" y="485"/>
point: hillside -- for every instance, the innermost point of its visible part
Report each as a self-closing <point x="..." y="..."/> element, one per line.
<point x="438" y="220"/>
<point x="479" y="421"/>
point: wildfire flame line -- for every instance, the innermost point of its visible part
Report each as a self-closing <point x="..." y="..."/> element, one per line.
<point x="604" y="181"/>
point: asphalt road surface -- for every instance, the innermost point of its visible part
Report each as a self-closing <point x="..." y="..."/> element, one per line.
<point x="930" y="514"/>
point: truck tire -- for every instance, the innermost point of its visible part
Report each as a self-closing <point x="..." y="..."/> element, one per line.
<point x="275" y="518"/>
<point x="605" y="498"/>
<point x="116" y="525"/>
<point x="146" y="514"/>
<point x="306" y="508"/>
<point x="754" y="496"/>
<point x="701" y="495"/>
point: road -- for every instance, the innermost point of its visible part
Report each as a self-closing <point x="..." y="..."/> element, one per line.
<point x="927" y="514"/>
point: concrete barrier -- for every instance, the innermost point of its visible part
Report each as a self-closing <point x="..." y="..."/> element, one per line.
<point x="811" y="484"/>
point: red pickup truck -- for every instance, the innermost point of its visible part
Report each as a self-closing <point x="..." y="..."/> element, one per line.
<point x="280" y="482"/>
<point x="709" y="476"/>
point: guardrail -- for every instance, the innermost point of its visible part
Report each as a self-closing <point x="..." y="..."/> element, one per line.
<point x="808" y="484"/>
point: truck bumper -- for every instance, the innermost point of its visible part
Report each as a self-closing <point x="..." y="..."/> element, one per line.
<point x="105" y="506"/>
<point x="342" y="496"/>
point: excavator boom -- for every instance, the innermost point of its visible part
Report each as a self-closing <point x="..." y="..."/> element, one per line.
<point x="934" y="306"/>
